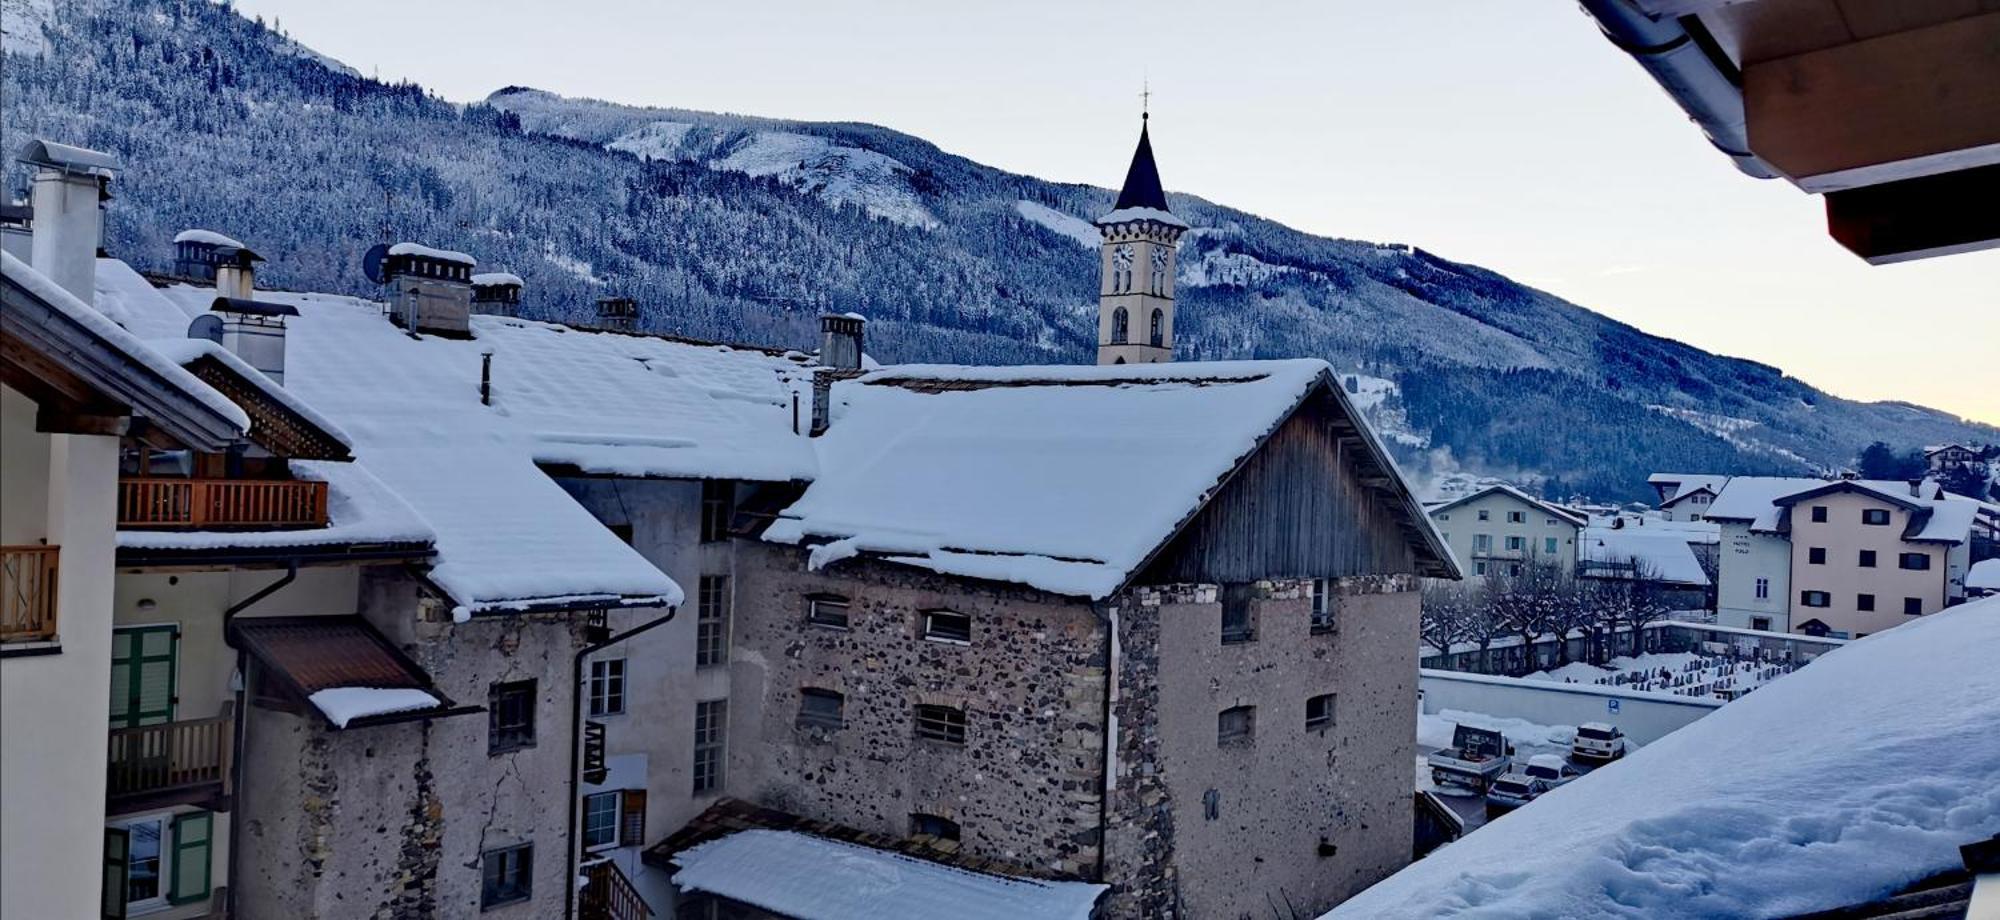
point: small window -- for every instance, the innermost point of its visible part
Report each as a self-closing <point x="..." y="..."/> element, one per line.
<point x="600" y="821"/>
<point x="947" y="626"/>
<point x="1485" y="515"/>
<point x="944" y="724"/>
<point x="1819" y="514"/>
<point x="1319" y="712"/>
<point x="1159" y="331"/>
<point x="510" y="716"/>
<point x="1445" y="516"/>
<point x="1235" y="725"/>
<point x="1913" y="606"/>
<point x="1875" y="516"/>
<point x="828" y="610"/>
<point x="509" y="876"/>
<point x="1763" y="589"/>
<point x="1482" y="543"/>
<point x="1514" y="569"/>
<point x="711" y="629"/>
<point x="1517" y="517"/>
<point x="1548" y="546"/>
<point x="718" y="506"/>
<point x="1551" y="522"/>
<point x="1516" y="544"/>
<point x="1238" y="620"/>
<point x="932" y="827"/>
<point x="1867" y="560"/>
<point x="711" y="720"/>
<point x="1915" y="561"/>
<point x="1121" y="324"/>
<point x="1322" y="608"/>
<point x="607" y="687"/>
<point x="1815" y="598"/>
<point x="1479" y="568"/>
<point x="1864" y="602"/>
<point x="632" y="818"/>
<point x="820" y="708"/>
<point x="1762" y="624"/>
<point x="1816" y="555"/>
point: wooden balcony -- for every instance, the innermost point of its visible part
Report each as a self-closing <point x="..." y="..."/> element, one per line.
<point x="173" y="763"/>
<point x="213" y="504"/>
<point x="608" y="895"/>
<point x="28" y="593"/>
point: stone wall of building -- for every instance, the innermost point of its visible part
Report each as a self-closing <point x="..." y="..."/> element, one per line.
<point x="389" y="822"/>
<point x="1291" y="819"/>
<point x="1026" y="785"/>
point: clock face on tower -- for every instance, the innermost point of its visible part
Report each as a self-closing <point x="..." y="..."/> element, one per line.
<point x="1121" y="268"/>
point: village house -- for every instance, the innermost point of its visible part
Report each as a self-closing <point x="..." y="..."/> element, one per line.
<point x="1500" y="529"/>
<point x="1843" y="558"/>
<point x="1686" y="496"/>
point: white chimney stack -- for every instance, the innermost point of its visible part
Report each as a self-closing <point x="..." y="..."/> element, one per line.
<point x="70" y="187"/>
<point x="840" y="340"/>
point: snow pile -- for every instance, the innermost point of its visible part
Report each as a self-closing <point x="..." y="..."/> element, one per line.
<point x="1075" y="228"/>
<point x="197" y="235"/>
<point x="342" y="705"/>
<point x="1984" y="576"/>
<point x="1061" y="478"/>
<point x="1839" y="785"/>
<point x="419" y="250"/>
<point x="1132" y="215"/>
<point x="489" y="279"/>
<point x="1434" y="730"/>
<point x="102" y="326"/>
<point x="834" y="173"/>
<point x="812" y="878"/>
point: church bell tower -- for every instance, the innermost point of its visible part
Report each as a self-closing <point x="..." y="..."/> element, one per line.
<point x="1135" y="301"/>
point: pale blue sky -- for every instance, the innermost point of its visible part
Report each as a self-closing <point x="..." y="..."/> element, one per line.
<point x="1511" y="135"/>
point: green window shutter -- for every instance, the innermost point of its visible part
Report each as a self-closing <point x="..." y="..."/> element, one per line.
<point x="117" y="853"/>
<point x="192" y="843"/>
<point x="143" y="663"/>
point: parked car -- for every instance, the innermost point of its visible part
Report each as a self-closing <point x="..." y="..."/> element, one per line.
<point x="1475" y="758"/>
<point x="1551" y="769"/>
<point x="1513" y="791"/>
<point x="1598" y="741"/>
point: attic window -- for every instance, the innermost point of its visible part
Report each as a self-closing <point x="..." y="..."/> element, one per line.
<point x="1876" y="516"/>
<point x="1517" y="517"/>
<point x="827" y="610"/>
<point x="947" y="626"/>
<point x="1238" y="621"/>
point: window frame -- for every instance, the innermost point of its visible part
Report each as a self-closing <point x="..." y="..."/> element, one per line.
<point x="710" y="748"/>
<point x="1763" y="588"/>
<point x="606" y="687"/>
<point x="1866" y="559"/>
<point x="501" y="737"/>
<point x="1913" y="606"/>
<point x="928" y="631"/>
<point x="711" y="621"/>
<point x="1228" y="736"/>
<point x="1815" y="555"/>
<point x="938" y="723"/>
<point x="1876" y="517"/>
<point x="718" y="508"/>
<point x="1864" y="601"/>
<point x="817" y="602"/>
<point x="1517" y="517"/>
<point x="613" y="831"/>
<point x="1807" y="595"/>
<point x="1324" y="616"/>
<point x="1516" y="543"/>
<point x="1238" y="614"/>
<point x="163" y="872"/>
<point x="1903" y="561"/>
<point x="1819" y="514"/>
<point x="820" y="721"/>
<point x="1325" y="719"/>
<point x="520" y="858"/>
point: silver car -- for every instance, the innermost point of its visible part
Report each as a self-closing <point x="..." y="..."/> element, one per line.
<point x="1513" y="791"/>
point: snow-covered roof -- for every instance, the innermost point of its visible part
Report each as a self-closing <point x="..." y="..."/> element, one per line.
<point x="1836" y="785"/>
<point x="342" y="705"/>
<point x="1061" y="478"/>
<point x="488" y="279"/>
<point x="127" y="343"/>
<point x="197" y="235"/>
<point x="1984" y="575"/>
<point x="507" y="536"/>
<point x="1664" y="555"/>
<point x="187" y="351"/>
<point x="1133" y="215"/>
<point x="360" y="509"/>
<point x="812" y="878"/>
<point x="1941" y="517"/>
<point x="1502" y="488"/>
<point x="421" y="251"/>
<point x="1687" y="484"/>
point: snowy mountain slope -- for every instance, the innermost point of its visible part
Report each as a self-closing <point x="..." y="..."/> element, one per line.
<point x="742" y="228"/>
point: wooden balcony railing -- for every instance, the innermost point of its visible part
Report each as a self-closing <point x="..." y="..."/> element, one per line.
<point x="28" y="604"/>
<point x="171" y="763"/>
<point x="197" y="504"/>
<point x="609" y="895"/>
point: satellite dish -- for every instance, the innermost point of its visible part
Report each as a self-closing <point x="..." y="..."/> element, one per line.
<point x="206" y="326"/>
<point x="371" y="263"/>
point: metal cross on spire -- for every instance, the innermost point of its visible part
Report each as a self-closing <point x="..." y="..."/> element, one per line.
<point x="1145" y="98"/>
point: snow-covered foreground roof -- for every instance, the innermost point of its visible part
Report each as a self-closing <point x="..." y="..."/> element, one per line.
<point x="1061" y="478"/>
<point x="1839" y="784"/>
<point x="1664" y="555"/>
<point x="507" y="536"/>
<point x="812" y="878"/>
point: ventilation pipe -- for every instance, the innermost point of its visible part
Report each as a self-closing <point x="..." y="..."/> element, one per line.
<point x="71" y="185"/>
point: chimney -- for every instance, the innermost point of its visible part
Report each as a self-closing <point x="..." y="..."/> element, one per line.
<point x="1916" y="488"/>
<point x="822" y="384"/>
<point x="71" y="185"/>
<point x="430" y="290"/>
<point x="617" y="313"/>
<point x="251" y="330"/>
<point x="496" y="293"/>
<point x="840" y="340"/>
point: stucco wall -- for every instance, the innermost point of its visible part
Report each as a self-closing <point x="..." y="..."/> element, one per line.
<point x="1744" y="558"/>
<point x="1844" y="536"/>
<point x="1025" y="786"/>
<point x="1461" y="523"/>
<point x="1288" y="790"/>
<point x="53" y="707"/>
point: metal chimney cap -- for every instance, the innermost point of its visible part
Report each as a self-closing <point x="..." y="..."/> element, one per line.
<point x="51" y="155"/>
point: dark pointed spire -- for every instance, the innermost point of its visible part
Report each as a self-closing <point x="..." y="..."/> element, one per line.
<point x="1142" y="181"/>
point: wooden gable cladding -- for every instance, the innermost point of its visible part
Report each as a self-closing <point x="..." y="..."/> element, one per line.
<point x="273" y="425"/>
<point x="1309" y="503"/>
